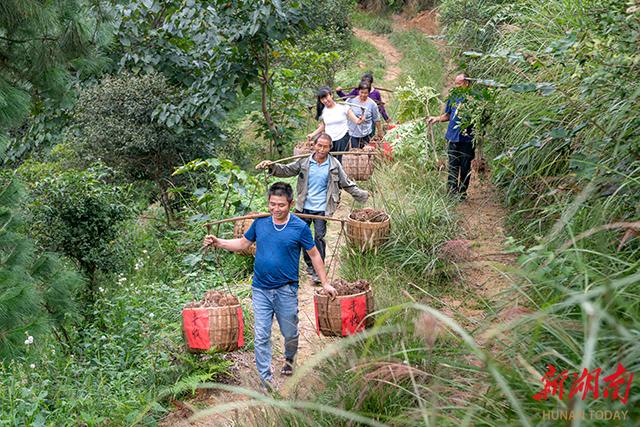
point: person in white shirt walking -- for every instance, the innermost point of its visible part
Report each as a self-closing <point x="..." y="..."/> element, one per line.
<point x="334" y="120"/>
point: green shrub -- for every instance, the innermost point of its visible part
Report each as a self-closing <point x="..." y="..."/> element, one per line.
<point x="78" y="213"/>
<point x="416" y="102"/>
<point x="118" y="122"/>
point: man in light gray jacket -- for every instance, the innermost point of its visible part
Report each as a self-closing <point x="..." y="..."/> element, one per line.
<point x="320" y="179"/>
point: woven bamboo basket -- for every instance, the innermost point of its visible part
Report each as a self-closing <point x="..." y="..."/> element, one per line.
<point x="304" y="147"/>
<point x="367" y="235"/>
<point x="330" y="317"/>
<point x="213" y="328"/>
<point x="359" y="167"/>
<point x="239" y="228"/>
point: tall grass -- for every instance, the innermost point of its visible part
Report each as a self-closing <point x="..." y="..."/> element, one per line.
<point x="378" y="23"/>
<point x="569" y="172"/>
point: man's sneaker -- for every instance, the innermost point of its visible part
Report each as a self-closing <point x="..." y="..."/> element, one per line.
<point x="287" y="368"/>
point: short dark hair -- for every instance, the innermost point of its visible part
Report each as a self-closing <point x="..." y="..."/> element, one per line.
<point x="364" y="85"/>
<point x="367" y="76"/>
<point x="281" y="189"/>
<point x="326" y="136"/>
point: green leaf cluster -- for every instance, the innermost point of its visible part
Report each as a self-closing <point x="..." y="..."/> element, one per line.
<point x="77" y="213"/>
<point x="415" y="102"/>
<point x="209" y="50"/>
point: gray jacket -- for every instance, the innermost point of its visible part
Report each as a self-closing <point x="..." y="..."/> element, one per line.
<point x="338" y="179"/>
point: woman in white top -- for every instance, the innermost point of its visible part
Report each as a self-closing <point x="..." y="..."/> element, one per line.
<point x="333" y="120"/>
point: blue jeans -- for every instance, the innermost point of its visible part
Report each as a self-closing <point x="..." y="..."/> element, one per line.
<point x="283" y="302"/>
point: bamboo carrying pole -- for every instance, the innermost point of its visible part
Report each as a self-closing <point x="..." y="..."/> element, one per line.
<point x="343" y="98"/>
<point x="264" y="215"/>
<point x="433" y="143"/>
<point x="353" y="153"/>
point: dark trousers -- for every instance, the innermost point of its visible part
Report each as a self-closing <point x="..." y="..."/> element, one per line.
<point x="341" y="144"/>
<point x="359" y="142"/>
<point x="319" y="231"/>
<point x="460" y="156"/>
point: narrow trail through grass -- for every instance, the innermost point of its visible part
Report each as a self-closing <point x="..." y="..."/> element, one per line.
<point x="392" y="55"/>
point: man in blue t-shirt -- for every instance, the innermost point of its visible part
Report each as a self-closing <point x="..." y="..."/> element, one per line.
<point x="279" y="239"/>
<point x="460" y="151"/>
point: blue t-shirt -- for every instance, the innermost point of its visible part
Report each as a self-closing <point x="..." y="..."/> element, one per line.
<point x="318" y="180"/>
<point x="278" y="252"/>
<point x="454" y="133"/>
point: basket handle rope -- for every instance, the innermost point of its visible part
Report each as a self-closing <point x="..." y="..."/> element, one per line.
<point x="335" y="250"/>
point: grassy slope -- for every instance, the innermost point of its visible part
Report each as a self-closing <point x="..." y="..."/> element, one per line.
<point x="582" y="287"/>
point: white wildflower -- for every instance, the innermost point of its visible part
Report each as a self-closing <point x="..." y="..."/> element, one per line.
<point x="151" y="315"/>
<point x="32" y="366"/>
<point x="144" y="251"/>
<point x="101" y="289"/>
<point x="29" y="340"/>
<point x="139" y="264"/>
<point x="103" y="338"/>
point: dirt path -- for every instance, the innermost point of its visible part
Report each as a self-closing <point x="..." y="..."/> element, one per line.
<point x="482" y="224"/>
<point x="391" y="54"/>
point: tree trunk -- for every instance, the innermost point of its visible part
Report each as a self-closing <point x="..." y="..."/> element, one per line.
<point x="267" y="116"/>
<point x="264" y="85"/>
<point x="164" y="201"/>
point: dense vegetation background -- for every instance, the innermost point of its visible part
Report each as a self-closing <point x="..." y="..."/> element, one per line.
<point x="125" y="125"/>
